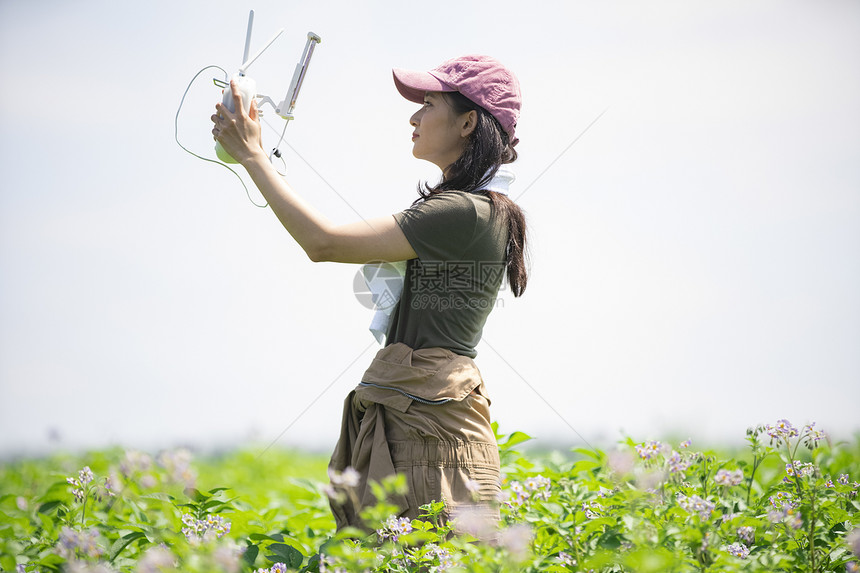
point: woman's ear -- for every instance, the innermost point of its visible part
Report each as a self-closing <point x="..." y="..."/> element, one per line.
<point x="468" y="123"/>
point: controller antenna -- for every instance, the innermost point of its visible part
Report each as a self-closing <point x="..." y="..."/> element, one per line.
<point x="248" y="39"/>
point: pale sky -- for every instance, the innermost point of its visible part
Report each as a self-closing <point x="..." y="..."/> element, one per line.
<point x="696" y="253"/>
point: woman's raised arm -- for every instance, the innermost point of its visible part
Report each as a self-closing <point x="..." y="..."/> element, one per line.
<point x="360" y="242"/>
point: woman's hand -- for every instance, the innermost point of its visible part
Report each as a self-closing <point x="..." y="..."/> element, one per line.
<point x="237" y="132"/>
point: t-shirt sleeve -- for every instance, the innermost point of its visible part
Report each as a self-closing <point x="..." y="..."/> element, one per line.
<point x="441" y="227"/>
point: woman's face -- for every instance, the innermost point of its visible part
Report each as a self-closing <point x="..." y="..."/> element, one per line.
<point x="439" y="135"/>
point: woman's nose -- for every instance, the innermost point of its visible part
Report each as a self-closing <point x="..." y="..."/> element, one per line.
<point x="413" y="121"/>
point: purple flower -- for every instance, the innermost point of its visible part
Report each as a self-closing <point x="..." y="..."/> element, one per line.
<point x="76" y="566"/>
<point x="621" y="463"/>
<point x="776" y="515"/>
<point x="134" y="462"/>
<point x="794" y="521"/>
<point x="71" y="543"/>
<point x="591" y="509"/>
<point x="446" y="560"/>
<point x="677" y="463"/>
<point x="782" y="500"/>
<point x="517" y="495"/>
<point x="696" y="504"/>
<point x="471" y="519"/>
<point x="738" y="550"/>
<point x="110" y="485"/>
<point x="516" y="540"/>
<point x="747" y="534"/>
<point x="394" y="527"/>
<point x="348" y="478"/>
<point x="155" y="560"/>
<point x="649" y="449"/>
<point x="540" y="486"/>
<point x="85" y="475"/>
<point x="334" y="494"/>
<point x="729" y="478"/>
<point x="781" y="430"/>
<point x="229" y="557"/>
<point x="799" y="469"/>
<point x="178" y="466"/>
<point x="196" y="530"/>
<point x="812" y="436"/>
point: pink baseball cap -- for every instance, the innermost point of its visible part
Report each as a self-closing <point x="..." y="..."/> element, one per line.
<point x="482" y="79"/>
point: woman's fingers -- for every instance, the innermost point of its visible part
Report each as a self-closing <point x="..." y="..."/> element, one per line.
<point x="216" y="128"/>
<point x="237" y="98"/>
<point x="223" y="111"/>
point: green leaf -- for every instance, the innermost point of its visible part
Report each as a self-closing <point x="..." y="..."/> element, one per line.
<point x="123" y="542"/>
<point x="417" y="538"/>
<point x="159" y="496"/>
<point x="212" y="503"/>
<point x="50" y="561"/>
<point x="597" y="524"/>
<point x="583" y="466"/>
<point x="250" y="555"/>
<point x="586" y="452"/>
<point x="419" y="525"/>
<point x="7" y="562"/>
<point x="313" y="563"/>
<point x="47" y="522"/>
<point x="286" y="554"/>
<point x="60" y="488"/>
<point x="49" y="506"/>
<point x="515" y="439"/>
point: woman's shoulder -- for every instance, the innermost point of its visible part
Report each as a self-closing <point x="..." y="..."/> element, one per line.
<point x="456" y="208"/>
<point x="453" y="199"/>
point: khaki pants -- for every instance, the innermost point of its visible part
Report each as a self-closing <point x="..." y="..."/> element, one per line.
<point x="423" y="414"/>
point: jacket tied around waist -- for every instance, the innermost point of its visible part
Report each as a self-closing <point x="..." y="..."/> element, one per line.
<point x="425" y="414"/>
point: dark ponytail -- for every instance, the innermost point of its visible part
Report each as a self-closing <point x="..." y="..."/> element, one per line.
<point x="487" y="148"/>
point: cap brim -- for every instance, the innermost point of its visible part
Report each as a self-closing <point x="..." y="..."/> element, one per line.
<point x="413" y="85"/>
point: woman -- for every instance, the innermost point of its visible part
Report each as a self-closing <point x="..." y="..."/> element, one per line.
<point x="421" y="408"/>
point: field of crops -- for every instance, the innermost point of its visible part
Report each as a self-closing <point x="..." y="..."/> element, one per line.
<point x="788" y="502"/>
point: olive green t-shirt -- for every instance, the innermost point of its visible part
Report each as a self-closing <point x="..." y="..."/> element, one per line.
<point x="450" y="289"/>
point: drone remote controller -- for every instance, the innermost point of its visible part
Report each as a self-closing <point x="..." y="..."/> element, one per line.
<point x="248" y="88"/>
